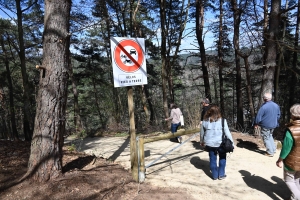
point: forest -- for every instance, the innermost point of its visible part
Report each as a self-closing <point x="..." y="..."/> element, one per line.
<point x="57" y="76"/>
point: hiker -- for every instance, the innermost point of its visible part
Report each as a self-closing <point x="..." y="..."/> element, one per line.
<point x="290" y="153"/>
<point x="267" y="118"/>
<point x="211" y="137"/>
<point x="205" y="106"/>
<point x="175" y="117"/>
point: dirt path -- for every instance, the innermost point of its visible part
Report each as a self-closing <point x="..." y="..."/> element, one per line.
<point x="250" y="175"/>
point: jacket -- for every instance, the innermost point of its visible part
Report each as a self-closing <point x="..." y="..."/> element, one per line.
<point x="268" y="115"/>
<point x="293" y="158"/>
<point x="211" y="132"/>
<point x="175" y="115"/>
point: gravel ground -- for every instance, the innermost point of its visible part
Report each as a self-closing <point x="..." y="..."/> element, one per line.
<point x="250" y="174"/>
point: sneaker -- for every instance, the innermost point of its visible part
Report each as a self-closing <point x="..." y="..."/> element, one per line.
<point x="179" y="139"/>
<point x="222" y="177"/>
<point x="269" y="155"/>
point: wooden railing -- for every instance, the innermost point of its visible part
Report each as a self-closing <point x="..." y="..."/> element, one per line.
<point x="140" y="160"/>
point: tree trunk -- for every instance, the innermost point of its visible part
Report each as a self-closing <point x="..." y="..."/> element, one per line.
<point x="144" y="103"/>
<point x="77" y="118"/>
<point x="163" y="56"/>
<point x="220" y="60"/>
<point x="170" y="77"/>
<point x="149" y="100"/>
<point x="28" y="119"/>
<point x="6" y="126"/>
<point x="45" y="160"/>
<point x="239" y="97"/>
<point x="143" y="89"/>
<point x="271" y="50"/>
<point x="281" y="57"/>
<point x="14" y="132"/>
<point x="106" y="34"/>
<point x="199" y="34"/>
<point x="294" y="80"/>
<point x="172" y="60"/>
<point x="249" y="89"/>
<point x="97" y="100"/>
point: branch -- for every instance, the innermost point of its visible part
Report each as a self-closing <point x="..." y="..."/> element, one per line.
<point x="29" y="6"/>
<point x="85" y="27"/>
<point x="39" y="67"/>
<point x="290" y="8"/>
<point x="136" y="9"/>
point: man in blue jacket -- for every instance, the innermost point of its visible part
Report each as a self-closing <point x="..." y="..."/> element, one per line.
<point x="267" y="118"/>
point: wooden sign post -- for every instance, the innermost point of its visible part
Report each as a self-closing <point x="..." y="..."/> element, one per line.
<point x="133" y="149"/>
<point x="129" y="69"/>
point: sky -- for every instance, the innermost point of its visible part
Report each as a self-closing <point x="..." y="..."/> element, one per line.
<point x="188" y="43"/>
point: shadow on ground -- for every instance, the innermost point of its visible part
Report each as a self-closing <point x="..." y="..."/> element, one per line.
<point x="78" y="163"/>
<point x="201" y="164"/>
<point x="265" y="186"/>
<point x="196" y="145"/>
<point x="251" y="146"/>
<point x="170" y="162"/>
<point x="120" y="150"/>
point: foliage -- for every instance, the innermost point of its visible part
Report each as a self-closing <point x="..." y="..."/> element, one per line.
<point x="103" y="108"/>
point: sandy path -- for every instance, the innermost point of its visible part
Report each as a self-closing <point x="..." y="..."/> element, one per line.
<point x="250" y="175"/>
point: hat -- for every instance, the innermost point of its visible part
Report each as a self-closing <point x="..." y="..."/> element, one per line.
<point x="295" y="110"/>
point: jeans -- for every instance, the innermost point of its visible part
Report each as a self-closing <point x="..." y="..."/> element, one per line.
<point x="174" y="128"/>
<point x="217" y="172"/>
<point x="291" y="179"/>
<point x="268" y="140"/>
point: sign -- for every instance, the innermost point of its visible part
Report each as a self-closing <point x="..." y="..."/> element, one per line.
<point x="128" y="60"/>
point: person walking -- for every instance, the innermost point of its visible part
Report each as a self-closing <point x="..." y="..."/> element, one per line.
<point x="205" y="106"/>
<point x="211" y="137"/>
<point x="175" y="117"/>
<point x="290" y="153"/>
<point x="267" y="118"/>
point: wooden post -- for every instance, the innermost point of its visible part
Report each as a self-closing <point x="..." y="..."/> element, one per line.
<point x="133" y="150"/>
<point x="142" y="160"/>
<point x="140" y="155"/>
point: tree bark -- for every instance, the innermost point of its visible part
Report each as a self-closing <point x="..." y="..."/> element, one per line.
<point x="294" y="80"/>
<point x="163" y="56"/>
<point x="249" y="88"/>
<point x="239" y="98"/>
<point x="199" y="34"/>
<point x="271" y="50"/>
<point x="220" y="60"/>
<point x="5" y="131"/>
<point x="77" y="118"/>
<point x="281" y="60"/>
<point x="45" y="160"/>
<point x="144" y="103"/>
<point x="12" y="113"/>
<point x="28" y="119"/>
<point x="172" y="59"/>
<point x="149" y="100"/>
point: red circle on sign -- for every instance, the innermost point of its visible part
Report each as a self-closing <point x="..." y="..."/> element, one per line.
<point x="121" y="48"/>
